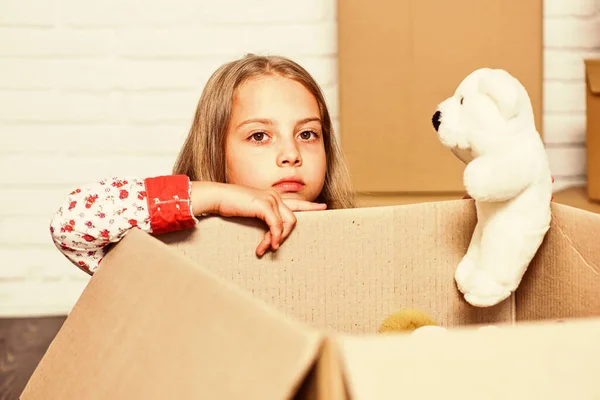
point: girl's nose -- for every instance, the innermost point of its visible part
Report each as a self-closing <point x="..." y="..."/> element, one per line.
<point x="289" y="156"/>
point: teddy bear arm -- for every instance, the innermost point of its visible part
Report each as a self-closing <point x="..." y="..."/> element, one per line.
<point x="494" y="179"/>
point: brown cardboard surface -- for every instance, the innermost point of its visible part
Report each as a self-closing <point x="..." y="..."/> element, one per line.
<point x="399" y="59"/>
<point x="563" y="280"/>
<point x="150" y="325"/>
<point x="392" y="199"/>
<point x="593" y="127"/>
<point x="539" y="361"/>
<point x="346" y="270"/>
<point x="197" y="315"/>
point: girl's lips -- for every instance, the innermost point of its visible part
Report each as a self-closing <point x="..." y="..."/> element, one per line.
<point x="289" y="186"/>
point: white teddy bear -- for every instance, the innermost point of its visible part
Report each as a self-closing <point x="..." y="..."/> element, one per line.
<point x="489" y="124"/>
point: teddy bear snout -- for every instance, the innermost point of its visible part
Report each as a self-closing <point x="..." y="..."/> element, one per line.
<point x="436" y="120"/>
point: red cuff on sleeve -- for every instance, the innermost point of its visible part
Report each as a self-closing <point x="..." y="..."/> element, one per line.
<point x="169" y="203"/>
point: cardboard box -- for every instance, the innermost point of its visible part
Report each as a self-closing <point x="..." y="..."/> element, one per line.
<point x="592" y="71"/>
<point x="399" y="59"/>
<point x="197" y="315"/>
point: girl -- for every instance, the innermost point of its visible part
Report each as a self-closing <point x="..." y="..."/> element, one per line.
<point x="260" y="146"/>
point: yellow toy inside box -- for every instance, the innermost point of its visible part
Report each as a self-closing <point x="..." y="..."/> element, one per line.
<point x="195" y="314"/>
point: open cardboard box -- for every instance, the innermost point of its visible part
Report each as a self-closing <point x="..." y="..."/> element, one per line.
<point x="196" y="315"/>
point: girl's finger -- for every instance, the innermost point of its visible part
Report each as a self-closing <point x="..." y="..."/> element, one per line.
<point x="288" y="219"/>
<point x="270" y="214"/>
<point x="264" y="244"/>
<point x="302" y="205"/>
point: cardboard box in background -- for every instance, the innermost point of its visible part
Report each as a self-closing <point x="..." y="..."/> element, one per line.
<point x="592" y="71"/>
<point x="197" y="315"/>
<point x="398" y="60"/>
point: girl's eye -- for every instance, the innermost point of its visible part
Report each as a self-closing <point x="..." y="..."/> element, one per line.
<point x="307" y="135"/>
<point x="258" y="136"/>
<point x="462" y="99"/>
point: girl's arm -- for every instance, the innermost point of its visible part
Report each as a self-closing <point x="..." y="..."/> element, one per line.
<point x="96" y="215"/>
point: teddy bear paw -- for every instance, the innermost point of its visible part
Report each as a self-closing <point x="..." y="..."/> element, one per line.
<point x="476" y="179"/>
<point x="463" y="272"/>
<point x="482" y="290"/>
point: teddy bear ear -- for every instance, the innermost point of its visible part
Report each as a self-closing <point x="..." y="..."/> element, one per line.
<point x="501" y="87"/>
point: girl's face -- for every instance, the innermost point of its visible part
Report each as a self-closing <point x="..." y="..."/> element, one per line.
<point x="275" y="138"/>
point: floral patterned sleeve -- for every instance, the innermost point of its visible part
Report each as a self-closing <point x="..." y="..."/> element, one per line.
<point x="98" y="214"/>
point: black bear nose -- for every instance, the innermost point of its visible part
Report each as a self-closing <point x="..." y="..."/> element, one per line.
<point x="436" y="120"/>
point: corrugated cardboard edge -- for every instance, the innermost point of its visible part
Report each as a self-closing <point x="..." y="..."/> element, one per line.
<point x="592" y="73"/>
<point x="113" y="314"/>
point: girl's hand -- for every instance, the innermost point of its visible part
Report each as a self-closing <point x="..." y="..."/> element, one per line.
<point x="293" y="205"/>
<point x="303" y="205"/>
<point x="231" y="200"/>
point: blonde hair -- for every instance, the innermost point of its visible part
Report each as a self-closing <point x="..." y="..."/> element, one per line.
<point x="202" y="157"/>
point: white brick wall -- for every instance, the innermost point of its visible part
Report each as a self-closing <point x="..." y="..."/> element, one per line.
<point x="95" y="88"/>
<point x="571" y="34"/>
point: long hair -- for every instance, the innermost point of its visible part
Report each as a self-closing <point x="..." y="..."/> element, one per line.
<point x="202" y="157"/>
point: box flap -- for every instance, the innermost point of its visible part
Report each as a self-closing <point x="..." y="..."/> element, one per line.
<point x="592" y="71"/>
<point x="563" y="280"/>
<point x="347" y="270"/>
<point x="533" y="361"/>
<point x="151" y="325"/>
<point x="326" y="379"/>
